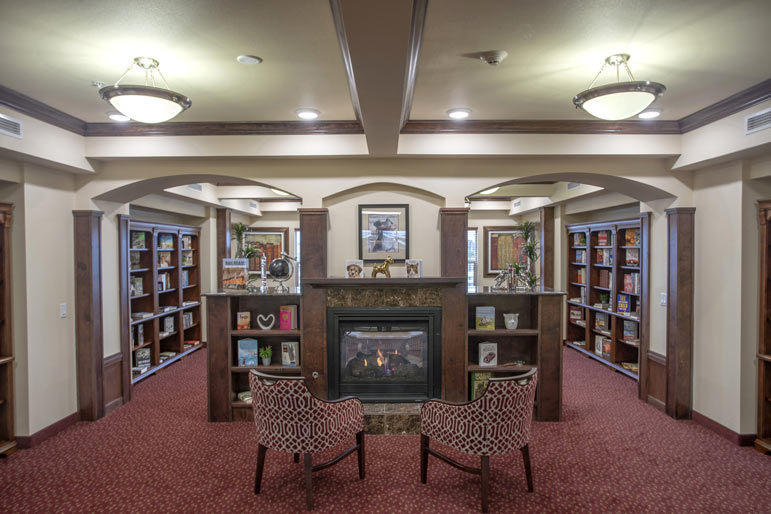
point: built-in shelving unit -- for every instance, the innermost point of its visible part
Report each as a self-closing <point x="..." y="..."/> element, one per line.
<point x="7" y="433"/>
<point x="763" y="441"/>
<point x="607" y="274"/>
<point x="164" y="295"/>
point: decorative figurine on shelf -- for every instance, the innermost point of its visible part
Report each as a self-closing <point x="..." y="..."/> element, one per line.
<point x="502" y="280"/>
<point x="282" y="270"/>
<point x="266" y="322"/>
<point x="511" y="321"/>
<point x="263" y="274"/>
<point x="383" y="268"/>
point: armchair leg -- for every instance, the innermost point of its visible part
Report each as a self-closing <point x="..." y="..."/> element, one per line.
<point x="260" y="465"/>
<point x="424" y="442"/>
<point x="308" y="480"/>
<point x="528" y="472"/>
<point x="296" y="458"/>
<point x="485" y="481"/>
<point x="360" y="444"/>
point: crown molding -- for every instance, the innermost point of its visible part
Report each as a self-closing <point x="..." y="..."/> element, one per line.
<point x="540" y="127"/>
<point x="731" y="105"/>
<point x="345" y="51"/>
<point x="40" y="111"/>
<point x="419" y="8"/>
<point x="223" y="128"/>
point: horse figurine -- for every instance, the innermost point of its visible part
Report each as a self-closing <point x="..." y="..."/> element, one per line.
<point x="383" y="268"/>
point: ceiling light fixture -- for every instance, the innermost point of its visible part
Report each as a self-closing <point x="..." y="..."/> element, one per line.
<point x="147" y="103"/>
<point x="489" y="191"/>
<point x="307" y="114"/>
<point x="459" y="114"/>
<point x="619" y="100"/>
<point x="116" y="116"/>
<point x="279" y="192"/>
<point x="250" y="60"/>
<point x="649" y="114"/>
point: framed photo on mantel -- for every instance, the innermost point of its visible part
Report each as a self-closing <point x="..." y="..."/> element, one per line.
<point x="502" y="246"/>
<point x="384" y="232"/>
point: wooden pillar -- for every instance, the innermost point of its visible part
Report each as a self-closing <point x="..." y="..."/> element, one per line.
<point x="547" y="246"/>
<point x="88" y="313"/>
<point x="680" y="229"/>
<point x="313" y="306"/>
<point x="643" y="384"/>
<point x="454" y="228"/>
<point x="125" y="318"/>
<point x="223" y="241"/>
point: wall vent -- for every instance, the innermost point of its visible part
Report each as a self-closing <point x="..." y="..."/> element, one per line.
<point x="573" y="185"/>
<point x="195" y="187"/>
<point x="758" y="121"/>
<point x="10" y="127"/>
<point x="253" y="205"/>
<point x="517" y="203"/>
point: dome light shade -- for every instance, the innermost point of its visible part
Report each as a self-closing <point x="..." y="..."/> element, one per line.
<point x="147" y="103"/>
<point x="619" y="100"/>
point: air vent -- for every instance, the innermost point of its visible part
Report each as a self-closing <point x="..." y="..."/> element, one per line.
<point x="758" y="121"/>
<point x="517" y="203"/>
<point x="573" y="185"/>
<point x="10" y="127"/>
<point x="195" y="187"/>
<point x="253" y="205"/>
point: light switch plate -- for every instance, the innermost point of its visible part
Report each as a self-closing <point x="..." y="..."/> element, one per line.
<point x="62" y="310"/>
<point x="663" y="298"/>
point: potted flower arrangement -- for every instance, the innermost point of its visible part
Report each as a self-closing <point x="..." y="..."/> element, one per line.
<point x="266" y="352"/>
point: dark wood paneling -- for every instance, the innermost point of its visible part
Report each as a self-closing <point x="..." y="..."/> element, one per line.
<point x="30" y="441"/>
<point x="223" y="241"/>
<point x="731" y="105"/>
<point x="419" y="8"/>
<point x="540" y="127"/>
<point x="723" y="431"/>
<point x="655" y="378"/>
<point x="680" y="226"/>
<point x="7" y="414"/>
<point x="125" y="315"/>
<point x="40" y="111"/>
<point x="549" y="358"/>
<point x="218" y="357"/>
<point x="313" y="306"/>
<point x="88" y="313"/>
<point x="223" y="128"/>
<point x="547" y="246"/>
<point x="645" y="258"/>
<point x="112" y="371"/>
<point x="454" y="227"/>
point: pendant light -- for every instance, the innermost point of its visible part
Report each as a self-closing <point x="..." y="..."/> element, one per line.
<point x="147" y="103"/>
<point x="619" y="100"/>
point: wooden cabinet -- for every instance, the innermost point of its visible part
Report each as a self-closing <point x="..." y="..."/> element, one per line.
<point x="164" y="295"/>
<point x="7" y="435"/>
<point x="607" y="282"/>
<point x="763" y="441"/>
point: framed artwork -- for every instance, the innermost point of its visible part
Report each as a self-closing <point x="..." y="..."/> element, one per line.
<point x="270" y="241"/>
<point x="502" y="246"/>
<point x="384" y="232"/>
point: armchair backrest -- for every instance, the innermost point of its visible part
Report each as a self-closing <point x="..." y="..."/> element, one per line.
<point x="507" y="412"/>
<point x="283" y="411"/>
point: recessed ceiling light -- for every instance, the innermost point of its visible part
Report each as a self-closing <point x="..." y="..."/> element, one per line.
<point x="249" y="59"/>
<point x="489" y="191"/>
<point x="279" y="192"/>
<point x="307" y="114"/>
<point x="116" y="116"/>
<point x="459" y="114"/>
<point x="649" y="114"/>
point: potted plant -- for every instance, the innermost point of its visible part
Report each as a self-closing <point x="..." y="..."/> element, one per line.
<point x="530" y="249"/>
<point x="243" y="251"/>
<point x="266" y="352"/>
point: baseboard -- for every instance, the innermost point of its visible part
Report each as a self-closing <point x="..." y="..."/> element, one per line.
<point x="655" y="402"/>
<point x="111" y="406"/>
<point x="30" y="441"/>
<point x="723" y="431"/>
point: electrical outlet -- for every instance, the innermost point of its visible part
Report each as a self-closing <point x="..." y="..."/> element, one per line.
<point x="662" y="298"/>
<point x="62" y="310"/>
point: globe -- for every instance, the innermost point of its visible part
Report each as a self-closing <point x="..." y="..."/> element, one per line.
<point x="280" y="269"/>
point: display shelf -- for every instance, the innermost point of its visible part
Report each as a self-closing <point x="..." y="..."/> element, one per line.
<point x="264" y="333"/>
<point x="167" y="362"/>
<point x="143" y="345"/>
<point x="276" y="369"/>
<point x="505" y="332"/>
<point x="578" y="263"/>
<point x="598" y="358"/>
<point x="473" y="368"/>
<point x="141" y="296"/>
<point x="636" y="344"/>
<point x="6" y="360"/>
<point x="139" y="270"/>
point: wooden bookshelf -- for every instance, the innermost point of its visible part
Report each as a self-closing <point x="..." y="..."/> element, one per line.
<point x="763" y="440"/>
<point x="164" y="283"/>
<point x="227" y="377"/>
<point x="7" y="433"/>
<point x="605" y="261"/>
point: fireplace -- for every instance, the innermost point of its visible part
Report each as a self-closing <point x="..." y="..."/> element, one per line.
<point x="387" y="354"/>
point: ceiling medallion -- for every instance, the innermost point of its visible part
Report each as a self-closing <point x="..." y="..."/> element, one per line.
<point x="619" y="100"/>
<point x="147" y="103"/>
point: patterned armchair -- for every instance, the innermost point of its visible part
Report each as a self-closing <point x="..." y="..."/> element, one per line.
<point x="290" y="419"/>
<point x="495" y="423"/>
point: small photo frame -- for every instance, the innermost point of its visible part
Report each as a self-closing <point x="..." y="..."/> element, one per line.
<point x="290" y="353"/>
<point x="269" y="241"/>
<point x="502" y="246"/>
<point x="384" y="232"/>
<point x="488" y="354"/>
<point x="354" y="268"/>
<point x="413" y="268"/>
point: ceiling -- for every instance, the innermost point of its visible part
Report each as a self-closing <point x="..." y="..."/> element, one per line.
<point x="702" y="50"/>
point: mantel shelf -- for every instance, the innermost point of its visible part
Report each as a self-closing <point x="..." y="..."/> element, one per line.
<point x="384" y="282"/>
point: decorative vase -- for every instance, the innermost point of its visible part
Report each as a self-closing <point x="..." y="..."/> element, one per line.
<point x="266" y="361"/>
<point x="511" y="321"/>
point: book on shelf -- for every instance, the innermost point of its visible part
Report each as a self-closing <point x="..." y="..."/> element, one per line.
<point x="189" y="303"/>
<point x="632" y="237"/>
<point x="187" y="257"/>
<point x="576" y="313"/>
<point x="166" y="308"/>
<point x="190" y="343"/>
<point x="142" y="357"/>
<point x="138" y="370"/>
<point x="244" y="396"/>
<point x="134" y="260"/>
<point x="601" y="321"/>
<point x="140" y="339"/>
<point x="485" y="318"/>
<point x="234" y="274"/>
<point x="576" y="299"/>
<point x="165" y="241"/>
<point x="187" y="320"/>
<point x="164" y="356"/>
<point x="290" y="353"/>
<point x="243" y="320"/>
<point x="287" y="317"/>
<point x="185" y="278"/>
<point x="632" y="257"/>
<point x="488" y="354"/>
<point x="598" y="344"/>
<point x="248" y="352"/>
<point x="138" y="240"/>
<point x="581" y="343"/>
<point x="605" y="348"/>
<point x="634" y="367"/>
<point x="601" y="305"/>
<point x="140" y="315"/>
<point x="164" y="259"/>
<point x="187" y="242"/>
<point x="136" y="286"/>
<point x="168" y="324"/>
<point x="629" y="331"/>
<point x="603" y="256"/>
<point x="605" y="278"/>
<point x="632" y="283"/>
<point x="603" y="238"/>
<point x="623" y="304"/>
<point x="479" y="381"/>
<point x="581" y="276"/>
<point x="579" y="239"/>
<point x="581" y="256"/>
<point x="164" y="281"/>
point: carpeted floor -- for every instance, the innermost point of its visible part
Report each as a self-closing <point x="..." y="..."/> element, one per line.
<point x="612" y="453"/>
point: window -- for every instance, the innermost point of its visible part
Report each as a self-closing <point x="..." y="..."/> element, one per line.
<point x="471" y="273"/>
<point x="297" y="256"/>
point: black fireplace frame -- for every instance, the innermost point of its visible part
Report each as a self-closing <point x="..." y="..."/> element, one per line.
<point x="399" y="393"/>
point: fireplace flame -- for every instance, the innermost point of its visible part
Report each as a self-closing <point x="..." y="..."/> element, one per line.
<point x="396" y="352"/>
<point x="379" y="361"/>
<point x="379" y="354"/>
<point x="365" y="363"/>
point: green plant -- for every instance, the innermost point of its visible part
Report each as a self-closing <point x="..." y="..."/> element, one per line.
<point x="265" y="352"/>
<point x="243" y="251"/>
<point x="530" y="250"/>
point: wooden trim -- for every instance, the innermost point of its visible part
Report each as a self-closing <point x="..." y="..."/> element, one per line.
<point x="680" y="257"/>
<point x="40" y="111"/>
<point x="223" y="128"/>
<point x="658" y="404"/>
<point x="547" y="246"/>
<point x="88" y="313"/>
<point x="644" y="327"/>
<point x="345" y="51"/>
<point x="727" y="106"/>
<point x="223" y="241"/>
<point x="657" y="358"/>
<point x="30" y="441"/>
<point x="7" y="410"/>
<point x="454" y="264"/>
<point x="112" y="359"/>
<point x="124" y="221"/>
<point x="419" y="8"/>
<point x="723" y="431"/>
<point x="401" y="282"/>
<point x="540" y="127"/>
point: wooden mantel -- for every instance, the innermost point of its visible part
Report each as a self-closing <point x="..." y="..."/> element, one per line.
<point x="384" y="282"/>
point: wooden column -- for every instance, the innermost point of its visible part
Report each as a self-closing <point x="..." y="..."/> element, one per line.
<point x="125" y="318"/>
<point x="313" y="306"/>
<point x="223" y="241"/>
<point x="644" y="385"/>
<point x="680" y="228"/>
<point x="549" y="357"/>
<point x="454" y="227"/>
<point x="88" y="313"/>
<point x="547" y="246"/>
<point x="218" y="357"/>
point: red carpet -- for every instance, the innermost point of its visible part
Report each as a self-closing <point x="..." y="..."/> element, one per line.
<point x="611" y="454"/>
